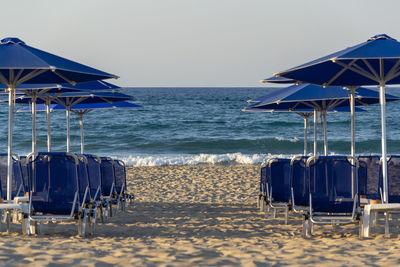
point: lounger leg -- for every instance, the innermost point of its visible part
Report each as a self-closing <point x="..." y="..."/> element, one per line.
<point x="374" y="218"/>
<point x="93" y="221"/>
<point x="82" y="224"/>
<point x="110" y="213"/>
<point x="274" y="213"/>
<point x="306" y="226"/>
<point x="365" y="218"/>
<point x="25" y="224"/>
<point x="117" y="207"/>
<point x="35" y="228"/>
<point x="286" y="215"/>
<point x="100" y="209"/>
<point x="386" y="223"/>
<point x="8" y="221"/>
<point x="262" y="204"/>
<point x="267" y="211"/>
<point x="105" y="213"/>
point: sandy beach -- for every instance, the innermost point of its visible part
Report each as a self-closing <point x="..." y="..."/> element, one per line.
<point x="187" y="216"/>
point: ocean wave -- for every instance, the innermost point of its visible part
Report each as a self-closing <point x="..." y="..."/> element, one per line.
<point x="200" y="159"/>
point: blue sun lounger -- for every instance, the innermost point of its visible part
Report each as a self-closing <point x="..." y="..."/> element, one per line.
<point x="54" y="195"/>
<point x="94" y="174"/>
<point x="17" y="191"/>
<point x="108" y="191"/>
<point x="121" y="186"/>
<point x="368" y="177"/>
<point x="278" y="186"/>
<point x="262" y="196"/>
<point x="370" y="211"/>
<point x="299" y="184"/>
<point x="88" y="204"/>
<point x="333" y="189"/>
<point x="18" y="185"/>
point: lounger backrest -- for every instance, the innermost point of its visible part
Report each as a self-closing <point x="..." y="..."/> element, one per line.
<point x="25" y="173"/>
<point x="17" y="188"/>
<point x="263" y="179"/>
<point x="368" y="176"/>
<point x="279" y="179"/>
<point x="299" y="181"/>
<point x="330" y="184"/>
<point x="55" y="183"/>
<point x="120" y="175"/>
<point x="94" y="174"/>
<point x="393" y="179"/>
<point x="107" y="176"/>
<point x="83" y="180"/>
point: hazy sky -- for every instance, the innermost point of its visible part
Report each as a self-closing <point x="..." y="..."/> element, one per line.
<point x="196" y="42"/>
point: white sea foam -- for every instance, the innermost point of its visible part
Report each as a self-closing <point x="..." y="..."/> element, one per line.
<point x="200" y="159"/>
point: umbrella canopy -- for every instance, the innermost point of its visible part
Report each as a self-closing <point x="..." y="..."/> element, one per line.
<point x="70" y="99"/>
<point x="308" y="96"/>
<point x="20" y="63"/>
<point x="305" y="113"/>
<point x="82" y="109"/>
<point x="277" y="79"/>
<point x="374" y="62"/>
<point x="36" y="90"/>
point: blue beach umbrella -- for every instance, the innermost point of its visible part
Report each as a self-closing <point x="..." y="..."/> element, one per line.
<point x="308" y="96"/>
<point x="374" y="62"/>
<point x="44" y="91"/>
<point x="71" y="99"/>
<point x="306" y="113"/>
<point x="82" y="109"/>
<point x="20" y="63"/>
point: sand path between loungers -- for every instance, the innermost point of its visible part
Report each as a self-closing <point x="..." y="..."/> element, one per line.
<point x="187" y="216"/>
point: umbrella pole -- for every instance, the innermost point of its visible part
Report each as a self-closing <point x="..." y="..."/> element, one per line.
<point x="48" y="125"/>
<point x="382" y="101"/>
<point x="81" y="128"/>
<point x="325" y="134"/>
<point x="305" y="134"/>
<point x="10" y="136"/>
<point x="353" y="134"/>
<point x="315" y="132"/>
<point x="68" y="127"/>
<point x="34" y="122"/>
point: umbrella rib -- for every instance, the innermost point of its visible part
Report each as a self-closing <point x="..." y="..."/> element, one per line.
<point x="3" y="79"/>
<point x="394" y="72"/>
<point x="361" y="71"/>
<point x="64" y="78"/>
<point x="370" y="67"/>
<point x="30" y="75"/>
<point x="340" y="73"/>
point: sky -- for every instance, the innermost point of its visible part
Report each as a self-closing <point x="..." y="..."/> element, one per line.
<point x="177" y="43"/>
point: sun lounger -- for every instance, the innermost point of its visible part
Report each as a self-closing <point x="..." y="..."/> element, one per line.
<point x="333" y="191"/>
<point x="94" y="174"/>
<point x="25" y="173"/>
<point x="299" y="184"/>
<point x="88" y="205"/>
<point x="370" y="211"/>
<point x="54" y="195"/>
<point x="278" y="186"/>
<point x="368" y="178"/>
<point x="120" y="185"/>
<point x="262" y="196"/>
<point x="7" y="213"/>
<point x="108" y="183"/>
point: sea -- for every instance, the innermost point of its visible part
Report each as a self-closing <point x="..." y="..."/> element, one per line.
<point x="200" y="126"/>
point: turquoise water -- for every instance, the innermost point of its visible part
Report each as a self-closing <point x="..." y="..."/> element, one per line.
<point x="199" y="126"/>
